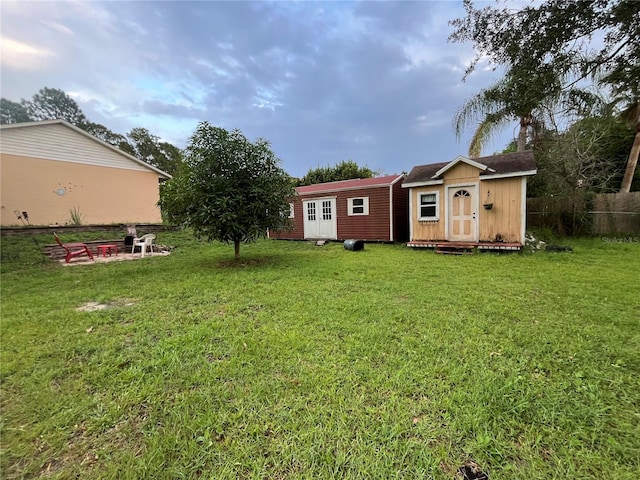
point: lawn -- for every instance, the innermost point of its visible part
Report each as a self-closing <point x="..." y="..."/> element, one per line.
<point x="307" y="362"/>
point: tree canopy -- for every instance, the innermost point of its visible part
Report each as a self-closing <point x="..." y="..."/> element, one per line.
<point x="345" y="170"/>
<point x="230" y="189"/>
<point x="144" y="145"/>
<point x="559" y="33"/>
<point x="13" y="112"/>
<point x="587" y="157"/>
<point x="55" y="104"/>
<point x="519" y="96"/>
<point x="575" y="40"/>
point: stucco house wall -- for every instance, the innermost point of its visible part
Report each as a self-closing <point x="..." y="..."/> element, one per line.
<point x="50" y="168"/>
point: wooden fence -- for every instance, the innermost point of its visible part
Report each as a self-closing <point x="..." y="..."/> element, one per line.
<point x="616" y="213"/>
<point x="602" y="214"/>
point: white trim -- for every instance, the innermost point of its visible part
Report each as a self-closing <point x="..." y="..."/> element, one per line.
<point x="437" y="205"/>
<point x="462" y="159"/>
<point x="365" y="205"/>
<point x="292" y="210"/>
<point x="523" y="210"/>
<point x="391" y="213"/>
<point x="509" y="175"/>
<point x="422" y="184"/>
<point x="334" y="217"/>
<point x="400" y="177"/>
<point x="304" y="199"/>
<point x="411" y="214"/>
<point x="475" y="206"/>
<point x="87" y="135"/>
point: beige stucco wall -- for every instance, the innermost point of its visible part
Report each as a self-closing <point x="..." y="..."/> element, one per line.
<point x="103" y="194"/>
<point x="503" y="221"/>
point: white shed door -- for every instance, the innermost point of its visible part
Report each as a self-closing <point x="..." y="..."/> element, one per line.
<point x="462" y="215"/>
<point x="320" y="218"/>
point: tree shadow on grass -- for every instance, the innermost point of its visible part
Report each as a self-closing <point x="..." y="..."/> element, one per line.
<point x="249" y="262"/>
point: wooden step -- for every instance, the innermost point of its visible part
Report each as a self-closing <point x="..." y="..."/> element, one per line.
<point x="455" y="249"/>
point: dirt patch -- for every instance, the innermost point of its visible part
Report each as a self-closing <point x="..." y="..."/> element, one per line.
<point x="121" y="257"/>
<point x="91" y="307"/>
<point x="471" y="471"/>
<point x="95" y="306"/>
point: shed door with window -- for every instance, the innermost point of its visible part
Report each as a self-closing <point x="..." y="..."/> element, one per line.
<point x="320" y="218"/>
<point x="462" y="215"/>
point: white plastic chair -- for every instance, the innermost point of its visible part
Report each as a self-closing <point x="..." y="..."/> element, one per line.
<point x="143" y="242"/>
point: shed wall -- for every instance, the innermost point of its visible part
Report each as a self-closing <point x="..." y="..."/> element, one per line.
<point x="427" y="230"/>
<point x="400" y="213"/>
<point x="504" y="220"/>
<point x="373" y="227"/>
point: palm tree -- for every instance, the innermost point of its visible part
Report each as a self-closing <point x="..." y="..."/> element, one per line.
<point x="520" y="96"/>
<point x="632" y="114"/>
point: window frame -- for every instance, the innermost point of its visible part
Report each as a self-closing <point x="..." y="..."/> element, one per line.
<point x="351" y="206"/>
<point x="292" y="210"/>
<point x="435" y="203"/>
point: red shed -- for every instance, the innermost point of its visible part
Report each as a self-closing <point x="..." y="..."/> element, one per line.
<point x="372" y="209"/>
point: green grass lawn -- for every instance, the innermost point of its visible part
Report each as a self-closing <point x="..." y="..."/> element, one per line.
<point x="320" y="363"/>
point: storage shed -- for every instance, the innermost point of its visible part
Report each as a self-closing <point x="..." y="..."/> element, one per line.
<point x="479" y="202"/>
<point x="371" y="209"/>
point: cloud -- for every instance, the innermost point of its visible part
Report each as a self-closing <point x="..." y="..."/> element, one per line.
<point x="376" y="82"/>
<point x="21" y="56"/>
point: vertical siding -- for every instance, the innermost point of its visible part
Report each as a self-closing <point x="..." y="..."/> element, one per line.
<point x="373" y="227"/>
<point x="436" y="230"/>
<point x="461" y="173"/>
<point x="422" y="230"/>
<point x="400" y="213"/>
<point x="296" y="232"/>
<point x="103" y="195"/>
<point x="504" y="220"/>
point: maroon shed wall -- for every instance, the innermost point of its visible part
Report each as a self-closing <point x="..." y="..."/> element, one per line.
<point x="400" y="213"/>
<point x="372" y="227"/>
<point x="297" y="230"/>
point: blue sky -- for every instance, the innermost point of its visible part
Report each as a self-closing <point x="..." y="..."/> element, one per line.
<point x="374" y="82"/>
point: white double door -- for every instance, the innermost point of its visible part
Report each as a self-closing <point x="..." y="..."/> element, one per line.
<point x="320" y="218"/>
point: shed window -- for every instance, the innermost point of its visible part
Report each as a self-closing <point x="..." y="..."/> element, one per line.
<point x="291" y="210"/>
<point x="326" y="210"/>
<point x="311" y="211"/>
<point x="358" y="206"/>
<point x="429" y="206"/>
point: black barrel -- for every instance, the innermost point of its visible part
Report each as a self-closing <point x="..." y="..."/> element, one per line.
<point x="354" y="245"/>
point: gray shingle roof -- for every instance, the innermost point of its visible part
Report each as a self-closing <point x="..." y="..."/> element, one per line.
<point x="503" y="164"/>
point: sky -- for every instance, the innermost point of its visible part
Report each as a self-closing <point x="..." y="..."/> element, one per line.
<point x="373" y="82"/>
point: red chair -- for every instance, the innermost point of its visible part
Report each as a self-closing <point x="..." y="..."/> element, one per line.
<point x="73" y="249"/>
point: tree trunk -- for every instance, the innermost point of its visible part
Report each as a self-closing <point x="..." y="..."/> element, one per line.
<point x="632" y="162"/>
<point x="522" y="134"/>
<point x="236" y="248"/>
